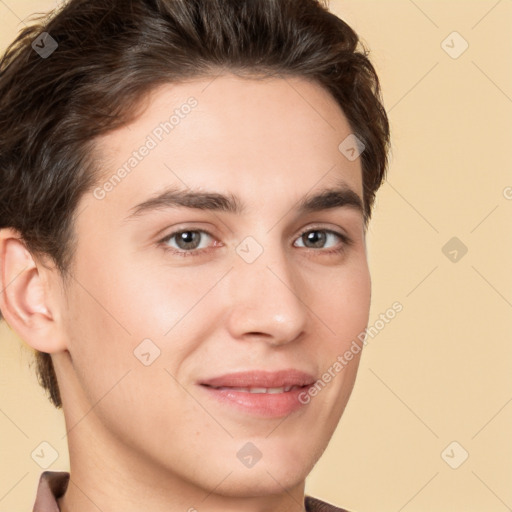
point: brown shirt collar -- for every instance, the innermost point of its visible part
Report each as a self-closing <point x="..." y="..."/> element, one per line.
<point x="53" y="484"/>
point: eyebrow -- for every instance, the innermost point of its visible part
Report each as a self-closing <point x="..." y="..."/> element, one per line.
<point x="338" y="197"/>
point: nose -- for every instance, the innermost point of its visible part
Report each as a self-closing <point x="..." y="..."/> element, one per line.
<point x="267" y="300"/>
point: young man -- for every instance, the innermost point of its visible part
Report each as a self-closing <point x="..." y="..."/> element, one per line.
<point x="186" y="187"/>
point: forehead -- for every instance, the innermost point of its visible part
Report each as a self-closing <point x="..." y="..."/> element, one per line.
<point x="231" y="133"/>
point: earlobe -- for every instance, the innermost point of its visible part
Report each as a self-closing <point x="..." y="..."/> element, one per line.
<point x="23" y="295"/>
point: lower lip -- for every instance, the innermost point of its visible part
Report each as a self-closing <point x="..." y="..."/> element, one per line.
<point x="269" y="405"/>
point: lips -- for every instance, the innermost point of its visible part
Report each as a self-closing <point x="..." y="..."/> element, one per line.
<point x="254" y="380"/>
<point x="276" y="390"/>
<point x="260" y="393"/>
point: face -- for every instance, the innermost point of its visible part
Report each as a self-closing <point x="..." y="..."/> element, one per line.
<point x="215" y="280"/>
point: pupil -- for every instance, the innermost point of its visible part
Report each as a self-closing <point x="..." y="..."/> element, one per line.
<point x="188" y="240"/>
<point x="317" y="238"/>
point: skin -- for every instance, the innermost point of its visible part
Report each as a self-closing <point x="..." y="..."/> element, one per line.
<point x="147" y="436"/>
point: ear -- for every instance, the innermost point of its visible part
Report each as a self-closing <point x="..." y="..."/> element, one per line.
<point x="25" y="295"/>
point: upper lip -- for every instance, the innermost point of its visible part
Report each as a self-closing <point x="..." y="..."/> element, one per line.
<point x="261" y="379"/>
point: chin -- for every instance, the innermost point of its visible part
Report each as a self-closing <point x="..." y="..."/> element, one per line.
<point x="247" y="483"/>
<point x="280" y="467"/>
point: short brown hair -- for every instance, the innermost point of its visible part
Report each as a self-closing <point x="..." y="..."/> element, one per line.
<point x="110" y="54"/>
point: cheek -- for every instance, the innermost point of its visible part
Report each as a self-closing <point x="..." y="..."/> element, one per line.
<point x="342" y="301"/>
<point x="157" y="298"/>
<point x="127" y="309"/>
<point x="343" y="305"/>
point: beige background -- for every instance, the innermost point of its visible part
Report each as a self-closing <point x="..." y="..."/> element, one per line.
<point x="441" y="370"/>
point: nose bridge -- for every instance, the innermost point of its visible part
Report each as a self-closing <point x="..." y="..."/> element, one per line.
<point x="266" y="293"/>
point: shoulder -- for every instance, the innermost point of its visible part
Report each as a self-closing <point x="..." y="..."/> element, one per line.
<point x="316" y="505"/>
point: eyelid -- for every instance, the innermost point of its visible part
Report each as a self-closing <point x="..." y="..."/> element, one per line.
<point x="192" y="252"/>
<point x="346" y="241"/>
<point x="322" y="227"/>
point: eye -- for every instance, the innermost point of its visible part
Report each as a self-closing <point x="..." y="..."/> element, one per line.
<point x="187" y="240"/>
<point x="193" y="242"/>
<point x="322" y="239"/>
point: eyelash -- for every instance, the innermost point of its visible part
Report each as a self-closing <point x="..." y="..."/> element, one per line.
<point x="346" y="242"/>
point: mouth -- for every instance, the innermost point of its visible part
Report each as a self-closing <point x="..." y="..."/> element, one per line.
<point x="261" y="379"/>
<point x="260" y="393"/>
<point x="272" y="391"/>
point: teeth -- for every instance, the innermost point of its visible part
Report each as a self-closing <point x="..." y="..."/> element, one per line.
<point x="265" y="390"/>
<point x="261" y="390"/>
